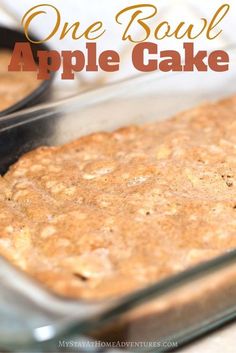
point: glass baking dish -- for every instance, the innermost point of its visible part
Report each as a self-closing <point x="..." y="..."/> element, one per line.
<point x="158" y="318"/>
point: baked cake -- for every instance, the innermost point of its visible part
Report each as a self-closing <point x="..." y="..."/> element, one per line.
<point x="14" y="86"/>
<point x="113" y="212"/>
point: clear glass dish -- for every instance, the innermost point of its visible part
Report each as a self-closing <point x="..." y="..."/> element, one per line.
<point x="161" y="316"/>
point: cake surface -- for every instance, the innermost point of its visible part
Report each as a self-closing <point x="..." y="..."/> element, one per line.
<point x="14" y="86"/>
<point x="113" y="212"/>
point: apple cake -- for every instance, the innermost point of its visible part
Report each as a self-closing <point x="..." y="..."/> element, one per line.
<point x="14" y="86"/>
<point x="116" y="211"/>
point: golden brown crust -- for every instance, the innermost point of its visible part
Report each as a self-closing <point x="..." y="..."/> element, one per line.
<point x="113" y="212"/>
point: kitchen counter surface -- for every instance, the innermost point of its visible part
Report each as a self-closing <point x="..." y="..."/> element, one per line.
<point x="220" y="341"/>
